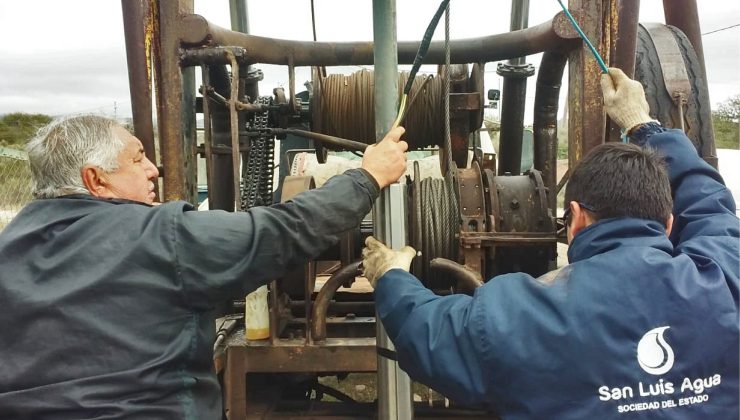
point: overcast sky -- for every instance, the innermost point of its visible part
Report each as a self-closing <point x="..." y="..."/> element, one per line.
<point x="68" y="57"/>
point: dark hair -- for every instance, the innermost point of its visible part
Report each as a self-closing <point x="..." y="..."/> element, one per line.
<point x="622" y="180"/>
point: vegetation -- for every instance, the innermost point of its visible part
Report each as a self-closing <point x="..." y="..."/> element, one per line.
<point x="17" y="128"/>
<point x="15" y="175"/>
<point x="726" y="121"/>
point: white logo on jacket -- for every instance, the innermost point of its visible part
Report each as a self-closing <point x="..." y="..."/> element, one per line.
<point x="654" y="355"/>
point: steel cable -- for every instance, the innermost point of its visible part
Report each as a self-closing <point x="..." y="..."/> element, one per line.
<point x="436" y="205"/>
<point x="347" y="109"/>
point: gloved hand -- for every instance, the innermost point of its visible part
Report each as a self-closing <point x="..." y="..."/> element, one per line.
<point x="624" y="100"/>
<point x="377" y="259"/>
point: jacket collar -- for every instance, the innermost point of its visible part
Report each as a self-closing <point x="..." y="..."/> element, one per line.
<point x="89" y="197"/>
<point x="608" y="234"/>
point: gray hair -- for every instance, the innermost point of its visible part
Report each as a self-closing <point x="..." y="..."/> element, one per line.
<point x="59" y="151"/>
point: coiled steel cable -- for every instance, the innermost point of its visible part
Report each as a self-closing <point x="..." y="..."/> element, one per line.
<point x="347" y="108"/>
<point x="436" y="206"/>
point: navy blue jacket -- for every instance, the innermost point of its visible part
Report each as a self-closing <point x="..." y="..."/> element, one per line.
<point x="638" y="325"/>
<point x="106" y="306"/>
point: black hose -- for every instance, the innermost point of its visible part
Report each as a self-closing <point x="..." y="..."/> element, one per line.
<point x="424" y="46"/>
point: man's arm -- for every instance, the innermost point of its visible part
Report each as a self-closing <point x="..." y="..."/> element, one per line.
<point x="705" y="227"/>
<point x="438" y="339"/>
<point x="220" y="255"/>
<point x="434" y="336"/>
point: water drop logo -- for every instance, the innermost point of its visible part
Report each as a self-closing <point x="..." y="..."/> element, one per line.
<point x="653" y="353"/>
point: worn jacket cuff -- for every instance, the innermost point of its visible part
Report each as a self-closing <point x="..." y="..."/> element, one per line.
<point x="372" y="185"/>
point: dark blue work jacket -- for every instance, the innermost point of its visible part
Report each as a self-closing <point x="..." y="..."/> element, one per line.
<point x="106" y="306"/>
<point x="638" y="325"/>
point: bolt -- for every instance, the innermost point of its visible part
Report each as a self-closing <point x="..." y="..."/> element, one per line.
<point x="514" y="204"/>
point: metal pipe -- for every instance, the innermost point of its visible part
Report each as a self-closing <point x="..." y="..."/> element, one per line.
<point x="138" y="29"/>
<point x="519" y="20"/>
<point x="394" y="385"/>
<point x="324" y="297"/>
<point x="334" y="141"/>
<point x="545" y="125"/>
<point x="554" y="34"/>
<point x="239" y="14"/>
<point x="513" y="98"/>
<point x="220" y="193"/>
<point x="207" y="132"/>
<point x="467" y="280"/>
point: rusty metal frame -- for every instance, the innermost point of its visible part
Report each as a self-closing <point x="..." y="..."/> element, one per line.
<point x="176" y="38"/>
<point x="333" y="355"/>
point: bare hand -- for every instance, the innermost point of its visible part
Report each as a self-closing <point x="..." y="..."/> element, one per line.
<point x="386" y="160"/>
<point x="624" y="99"/>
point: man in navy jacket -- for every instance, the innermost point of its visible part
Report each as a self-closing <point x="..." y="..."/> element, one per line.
<point x="643" y="322"/>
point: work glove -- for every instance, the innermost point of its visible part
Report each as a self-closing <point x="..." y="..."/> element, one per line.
<point x="624" y="100"/>
<point x="378" y="259"/>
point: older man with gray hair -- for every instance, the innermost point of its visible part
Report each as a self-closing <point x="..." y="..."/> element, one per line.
<point x="107" y="301"/>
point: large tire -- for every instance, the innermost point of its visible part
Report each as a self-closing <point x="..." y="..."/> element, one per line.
<point x="697" y="113"/>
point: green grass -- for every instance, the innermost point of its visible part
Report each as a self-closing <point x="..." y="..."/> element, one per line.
<point x="726" y="134"/>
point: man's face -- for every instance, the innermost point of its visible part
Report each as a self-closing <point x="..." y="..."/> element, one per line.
<point x="135" y="177"/>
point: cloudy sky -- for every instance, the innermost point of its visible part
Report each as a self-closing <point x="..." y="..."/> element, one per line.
<point x="67" y="57"/>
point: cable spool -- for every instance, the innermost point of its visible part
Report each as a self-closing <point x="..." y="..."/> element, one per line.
<point x="435" y="223"/>
<point x="345" y="107"/>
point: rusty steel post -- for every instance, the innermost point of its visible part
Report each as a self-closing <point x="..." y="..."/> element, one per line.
<point x="169" y="84"/>
<point x="684" y="15"/>
<point x="138" y="28"/>
<point x="587" y="119"/>
<point x="622" y="43"/>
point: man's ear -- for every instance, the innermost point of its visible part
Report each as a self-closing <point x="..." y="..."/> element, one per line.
<point x="579" y="219"/>
<point x="92" y="177"/>
<point x="669" y="225"/>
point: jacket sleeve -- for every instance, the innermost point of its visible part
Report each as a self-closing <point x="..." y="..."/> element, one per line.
<point x="436" y="338"/>
<point x="705" y="227"/>
<point x="220" y="255"/>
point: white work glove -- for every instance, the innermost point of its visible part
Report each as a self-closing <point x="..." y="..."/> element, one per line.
<point x="624" y="100"/>
<point x="377" y="259"/>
